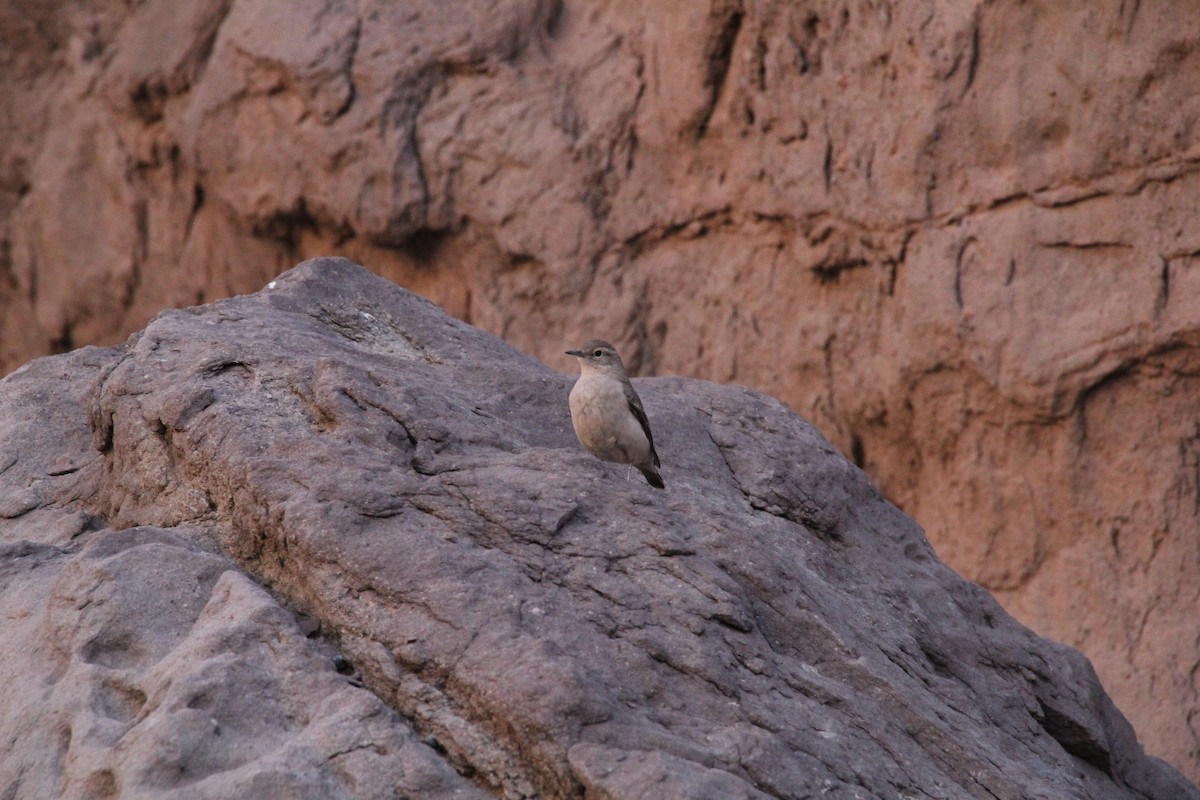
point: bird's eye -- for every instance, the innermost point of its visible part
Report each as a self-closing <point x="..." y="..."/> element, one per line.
<point x="597" y="353"/>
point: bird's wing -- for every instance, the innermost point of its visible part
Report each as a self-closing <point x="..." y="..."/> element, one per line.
<point x="635" y="406"/>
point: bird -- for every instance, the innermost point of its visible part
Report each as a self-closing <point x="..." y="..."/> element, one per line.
<point x="607" y="413"/>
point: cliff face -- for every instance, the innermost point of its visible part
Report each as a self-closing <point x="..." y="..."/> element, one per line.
<point x="954" y="235"/>
<point x="511" y="616"/>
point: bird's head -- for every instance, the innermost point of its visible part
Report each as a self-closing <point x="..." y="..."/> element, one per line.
<point x="598" y="355"/>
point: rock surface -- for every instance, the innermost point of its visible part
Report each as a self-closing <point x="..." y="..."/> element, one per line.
<point x="528" y="622"/>
<point x="959" y="236"/>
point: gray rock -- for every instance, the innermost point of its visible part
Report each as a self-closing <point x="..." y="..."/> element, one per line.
<point x="528" y="622"/>
<point x="138" y="665"/>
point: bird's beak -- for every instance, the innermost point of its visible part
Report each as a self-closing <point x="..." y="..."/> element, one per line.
<point x="576" y="353"/>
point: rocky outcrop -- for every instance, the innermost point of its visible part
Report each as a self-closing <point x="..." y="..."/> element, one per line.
<point x="957" y="236"/>
<point x="325" y="540"/>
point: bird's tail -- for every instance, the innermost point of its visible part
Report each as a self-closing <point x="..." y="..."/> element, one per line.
<point x="652" y="477"/>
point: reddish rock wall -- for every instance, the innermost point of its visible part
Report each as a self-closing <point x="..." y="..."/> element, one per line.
<point x="960" y="237"/>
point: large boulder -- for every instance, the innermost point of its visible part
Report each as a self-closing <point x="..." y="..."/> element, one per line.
<point x="325" y="540"/>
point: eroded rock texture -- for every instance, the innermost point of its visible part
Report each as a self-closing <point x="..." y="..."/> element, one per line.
<point x="526" y="621"/>
<point x="959" y="236"/>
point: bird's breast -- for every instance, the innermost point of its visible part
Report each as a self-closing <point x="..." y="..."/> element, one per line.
<point x="603" y="422"/>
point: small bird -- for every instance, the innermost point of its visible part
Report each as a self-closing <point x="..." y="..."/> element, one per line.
<point x="607" y="413"/>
